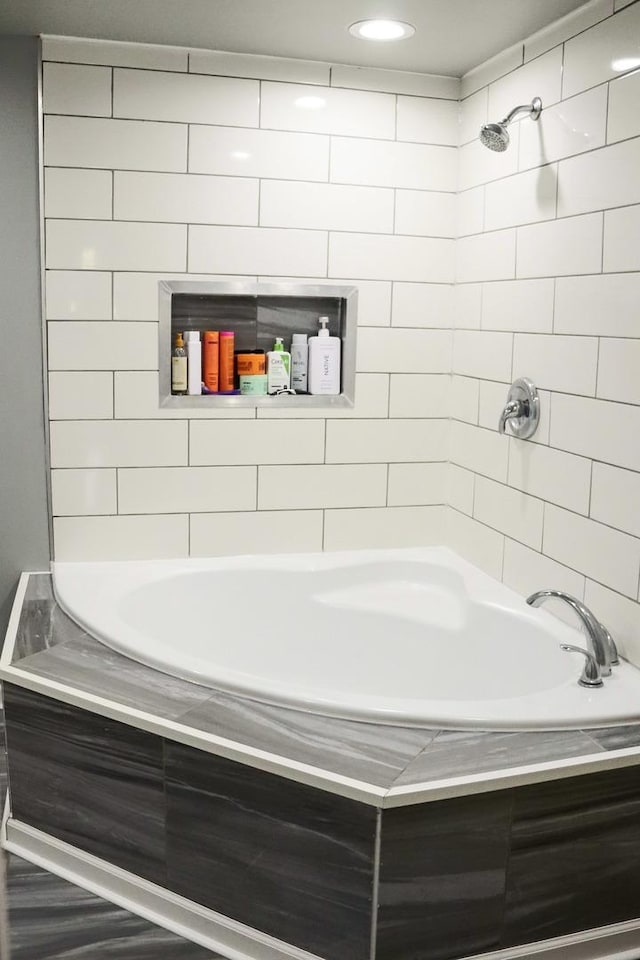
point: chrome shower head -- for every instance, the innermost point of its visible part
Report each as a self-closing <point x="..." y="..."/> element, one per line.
<point x="495" y="135"/>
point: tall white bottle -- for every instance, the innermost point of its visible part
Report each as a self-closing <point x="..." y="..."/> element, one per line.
<point x="194" y="362"/>
<point x="324" y="362"/>
<point x="299" y="362"/>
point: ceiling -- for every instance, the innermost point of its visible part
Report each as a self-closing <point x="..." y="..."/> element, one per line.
<point x="451" y="35"/>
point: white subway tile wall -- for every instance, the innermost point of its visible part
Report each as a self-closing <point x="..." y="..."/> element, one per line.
<point x="162" y="162"/>
<point x="561" y="511"/>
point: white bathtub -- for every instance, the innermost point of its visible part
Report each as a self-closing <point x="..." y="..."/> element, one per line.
<point x="398" y="636"/>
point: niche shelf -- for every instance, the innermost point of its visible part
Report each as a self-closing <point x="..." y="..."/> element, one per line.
<point x="257" y="313"/>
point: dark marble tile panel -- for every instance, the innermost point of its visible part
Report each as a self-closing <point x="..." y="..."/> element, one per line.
<point x="442" y="877"/>
<point x="456" y="753"/>
<point x="3" y="758"/>
<point x="40" y="619"/>
<point x="374" y="753"/>
<point x="617" y="738"/>
<point x="92" y="667"/>
<point x="284" y="858"/>
<point x="50" y="919"/>
<point x="575" y="856"/>
<point x="87" y="780"/>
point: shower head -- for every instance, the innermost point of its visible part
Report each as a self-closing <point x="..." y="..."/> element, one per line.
<point x="495" y="135"/>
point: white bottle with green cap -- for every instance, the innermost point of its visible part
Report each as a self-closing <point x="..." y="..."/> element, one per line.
<point x="324" y="361"/>
<point x="278" y="368"/>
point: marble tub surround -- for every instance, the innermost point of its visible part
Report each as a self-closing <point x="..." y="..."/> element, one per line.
<point x="290" y="860"/>
<point x="48" y="918"/>
<point x="3" y="759"/>
<point x="380" y="764"/>
<point x="328" y="875"/>
<point x="440" y="863"/>
<point x="521" y="866"/>
<point x="87" y="780"/>
<point x="40" y="625"/>
<point x="297" y="850"/>
<point x="575" y="854"/>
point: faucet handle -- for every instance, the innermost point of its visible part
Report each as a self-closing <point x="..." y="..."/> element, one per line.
<point x="522" y="409"/>
<point x="512" y="411"/>
<point x="591" y="676"/>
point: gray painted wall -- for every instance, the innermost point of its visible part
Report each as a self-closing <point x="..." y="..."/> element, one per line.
<point x="24" y="531"/>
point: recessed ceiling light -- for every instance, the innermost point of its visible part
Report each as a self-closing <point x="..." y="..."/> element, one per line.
<point x="381" y="30"/>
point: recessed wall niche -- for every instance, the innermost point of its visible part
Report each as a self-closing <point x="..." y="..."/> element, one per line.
<point x="257" y="313"/>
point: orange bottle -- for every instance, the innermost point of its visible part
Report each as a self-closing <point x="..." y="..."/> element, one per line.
<point x="210" y="352"/>
<point x="227" y="339"/>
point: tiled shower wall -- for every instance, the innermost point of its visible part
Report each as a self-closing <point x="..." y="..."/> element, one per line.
<point x="162" y="162"/>
<point x="549" y="288"/>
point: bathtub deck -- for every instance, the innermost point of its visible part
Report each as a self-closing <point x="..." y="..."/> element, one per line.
<point x="381" y="764"/>
<point x="331" y="837"/>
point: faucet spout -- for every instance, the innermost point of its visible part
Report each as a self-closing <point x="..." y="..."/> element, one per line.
<point x="597" y="641"/>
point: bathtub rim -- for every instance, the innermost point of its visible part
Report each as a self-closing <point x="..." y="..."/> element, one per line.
<point x="325" y="779"/>
<point x="526" y="712"/>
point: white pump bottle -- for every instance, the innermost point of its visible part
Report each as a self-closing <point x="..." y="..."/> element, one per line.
<point x="324" y="362"/>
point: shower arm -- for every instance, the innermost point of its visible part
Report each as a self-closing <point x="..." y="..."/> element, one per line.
<point x="533" y="109"/>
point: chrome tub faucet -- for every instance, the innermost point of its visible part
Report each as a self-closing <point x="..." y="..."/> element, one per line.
<point x="601" y="652"/>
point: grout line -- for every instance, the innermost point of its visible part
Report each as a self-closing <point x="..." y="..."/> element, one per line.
<point x="375" y="886"/>
<point x="606" y="113"/>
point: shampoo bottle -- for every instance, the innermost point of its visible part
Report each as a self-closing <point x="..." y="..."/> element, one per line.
<point x="227" y="340"/>
<point x="210" y="360"/>
<point x="278" y="368"/>
<point x="299" y="358"/>
<point x="179" y="367"/>
<point x="324" y="362"/>
<point x="194" y="363"/>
